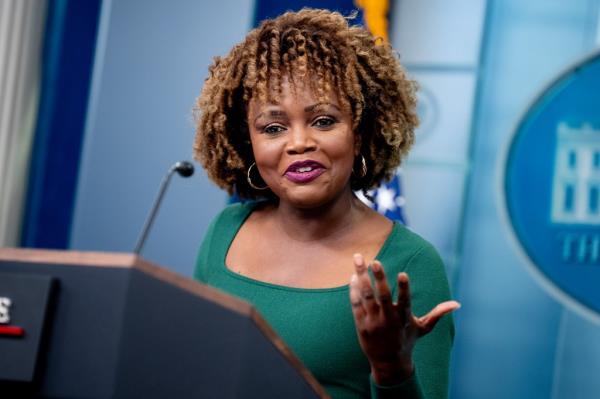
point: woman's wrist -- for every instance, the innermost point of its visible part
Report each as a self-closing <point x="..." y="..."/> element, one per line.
<point x="392" y="373"/>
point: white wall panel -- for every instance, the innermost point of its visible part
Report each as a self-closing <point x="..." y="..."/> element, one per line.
<point x="446" y="105"/>
<point x="439" y="32"/>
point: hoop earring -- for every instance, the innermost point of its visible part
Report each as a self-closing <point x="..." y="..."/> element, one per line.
<point x="249" y="179"/>
<point x="363" y="168"/>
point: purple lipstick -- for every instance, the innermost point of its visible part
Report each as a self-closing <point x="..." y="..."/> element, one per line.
<point x="304" y="171"/>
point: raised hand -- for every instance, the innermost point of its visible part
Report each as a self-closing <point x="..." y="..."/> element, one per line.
<point x="388" y="331"/>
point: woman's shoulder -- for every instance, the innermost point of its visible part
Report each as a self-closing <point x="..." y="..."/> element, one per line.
<point x="409" y="252"/>
<point x="406" y="251"/>
<point x="408" y="245"/>
<point x="219" y="234"/>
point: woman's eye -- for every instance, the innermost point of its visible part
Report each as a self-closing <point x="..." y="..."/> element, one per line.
<point x="273" y="129"/>
<point x="324" y="122"/>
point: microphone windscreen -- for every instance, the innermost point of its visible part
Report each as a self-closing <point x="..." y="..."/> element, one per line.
<point x="184" y="168"/>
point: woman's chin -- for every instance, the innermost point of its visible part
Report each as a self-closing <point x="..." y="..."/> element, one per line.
<point x="309" y="197"/>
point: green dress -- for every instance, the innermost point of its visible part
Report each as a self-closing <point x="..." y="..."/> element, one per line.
<point x="317" y="324"/>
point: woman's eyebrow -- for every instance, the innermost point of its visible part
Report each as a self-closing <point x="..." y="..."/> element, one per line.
<point x="275" y="113"/>
<point x="314" y="107"/>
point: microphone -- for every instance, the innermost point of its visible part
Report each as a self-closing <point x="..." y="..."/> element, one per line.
<point x="184" y="169"/>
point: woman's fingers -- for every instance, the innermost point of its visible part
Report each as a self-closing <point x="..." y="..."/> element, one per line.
<point x="367" y="294"/>
<point x="404" y="306"/>
<point x="358" y="310"/>
<point x="384" y="295"/>
<point x="427" y="323"/>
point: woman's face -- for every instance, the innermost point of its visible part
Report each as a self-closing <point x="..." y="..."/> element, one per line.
<point x="304" y="148"/>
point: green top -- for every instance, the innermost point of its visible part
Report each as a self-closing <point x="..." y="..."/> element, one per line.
<point x="317" y="323"/>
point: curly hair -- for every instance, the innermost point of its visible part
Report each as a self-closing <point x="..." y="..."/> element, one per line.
<point x="363" y="71"/>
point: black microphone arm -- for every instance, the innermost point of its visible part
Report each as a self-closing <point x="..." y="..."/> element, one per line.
<point x="184" y="169"/>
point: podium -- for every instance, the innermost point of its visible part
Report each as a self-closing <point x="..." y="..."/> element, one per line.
<point x="109" y="325"/>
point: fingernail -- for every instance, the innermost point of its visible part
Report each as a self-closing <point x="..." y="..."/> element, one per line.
<point x="354" y="278"/>
<point x="376" y="267"/>
<point x="358" y="259"/>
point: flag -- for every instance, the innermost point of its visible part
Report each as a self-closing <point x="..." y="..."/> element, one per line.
<point x="387" y="199"/>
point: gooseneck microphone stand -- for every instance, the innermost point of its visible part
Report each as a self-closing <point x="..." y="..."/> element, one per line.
<point x="184" y="169"/>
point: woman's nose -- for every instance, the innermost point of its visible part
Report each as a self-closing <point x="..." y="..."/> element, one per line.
<point x="300" y="141"/>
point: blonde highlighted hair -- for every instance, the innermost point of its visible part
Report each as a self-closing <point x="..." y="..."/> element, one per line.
<point x="363" y="71"/>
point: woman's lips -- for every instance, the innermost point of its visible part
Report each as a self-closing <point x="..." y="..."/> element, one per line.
<point x="304" y="171"/>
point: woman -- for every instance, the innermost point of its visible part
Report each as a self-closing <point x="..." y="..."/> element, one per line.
<point x="302" y="113"/>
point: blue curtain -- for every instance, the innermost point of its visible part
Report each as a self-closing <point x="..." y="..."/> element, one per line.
<point x="68" y="54"/>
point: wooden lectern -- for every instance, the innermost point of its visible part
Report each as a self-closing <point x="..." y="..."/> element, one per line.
<point x="107" y="325"/>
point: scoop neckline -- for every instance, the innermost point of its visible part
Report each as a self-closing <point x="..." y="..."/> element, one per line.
<point x="250" y="207"/>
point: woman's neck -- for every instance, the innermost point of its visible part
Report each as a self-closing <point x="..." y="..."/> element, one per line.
<point x="329" y="220"/>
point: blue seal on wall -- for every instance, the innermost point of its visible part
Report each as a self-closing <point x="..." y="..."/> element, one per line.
<point x="428" y="112"/>
<point x="552" y="184"/>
